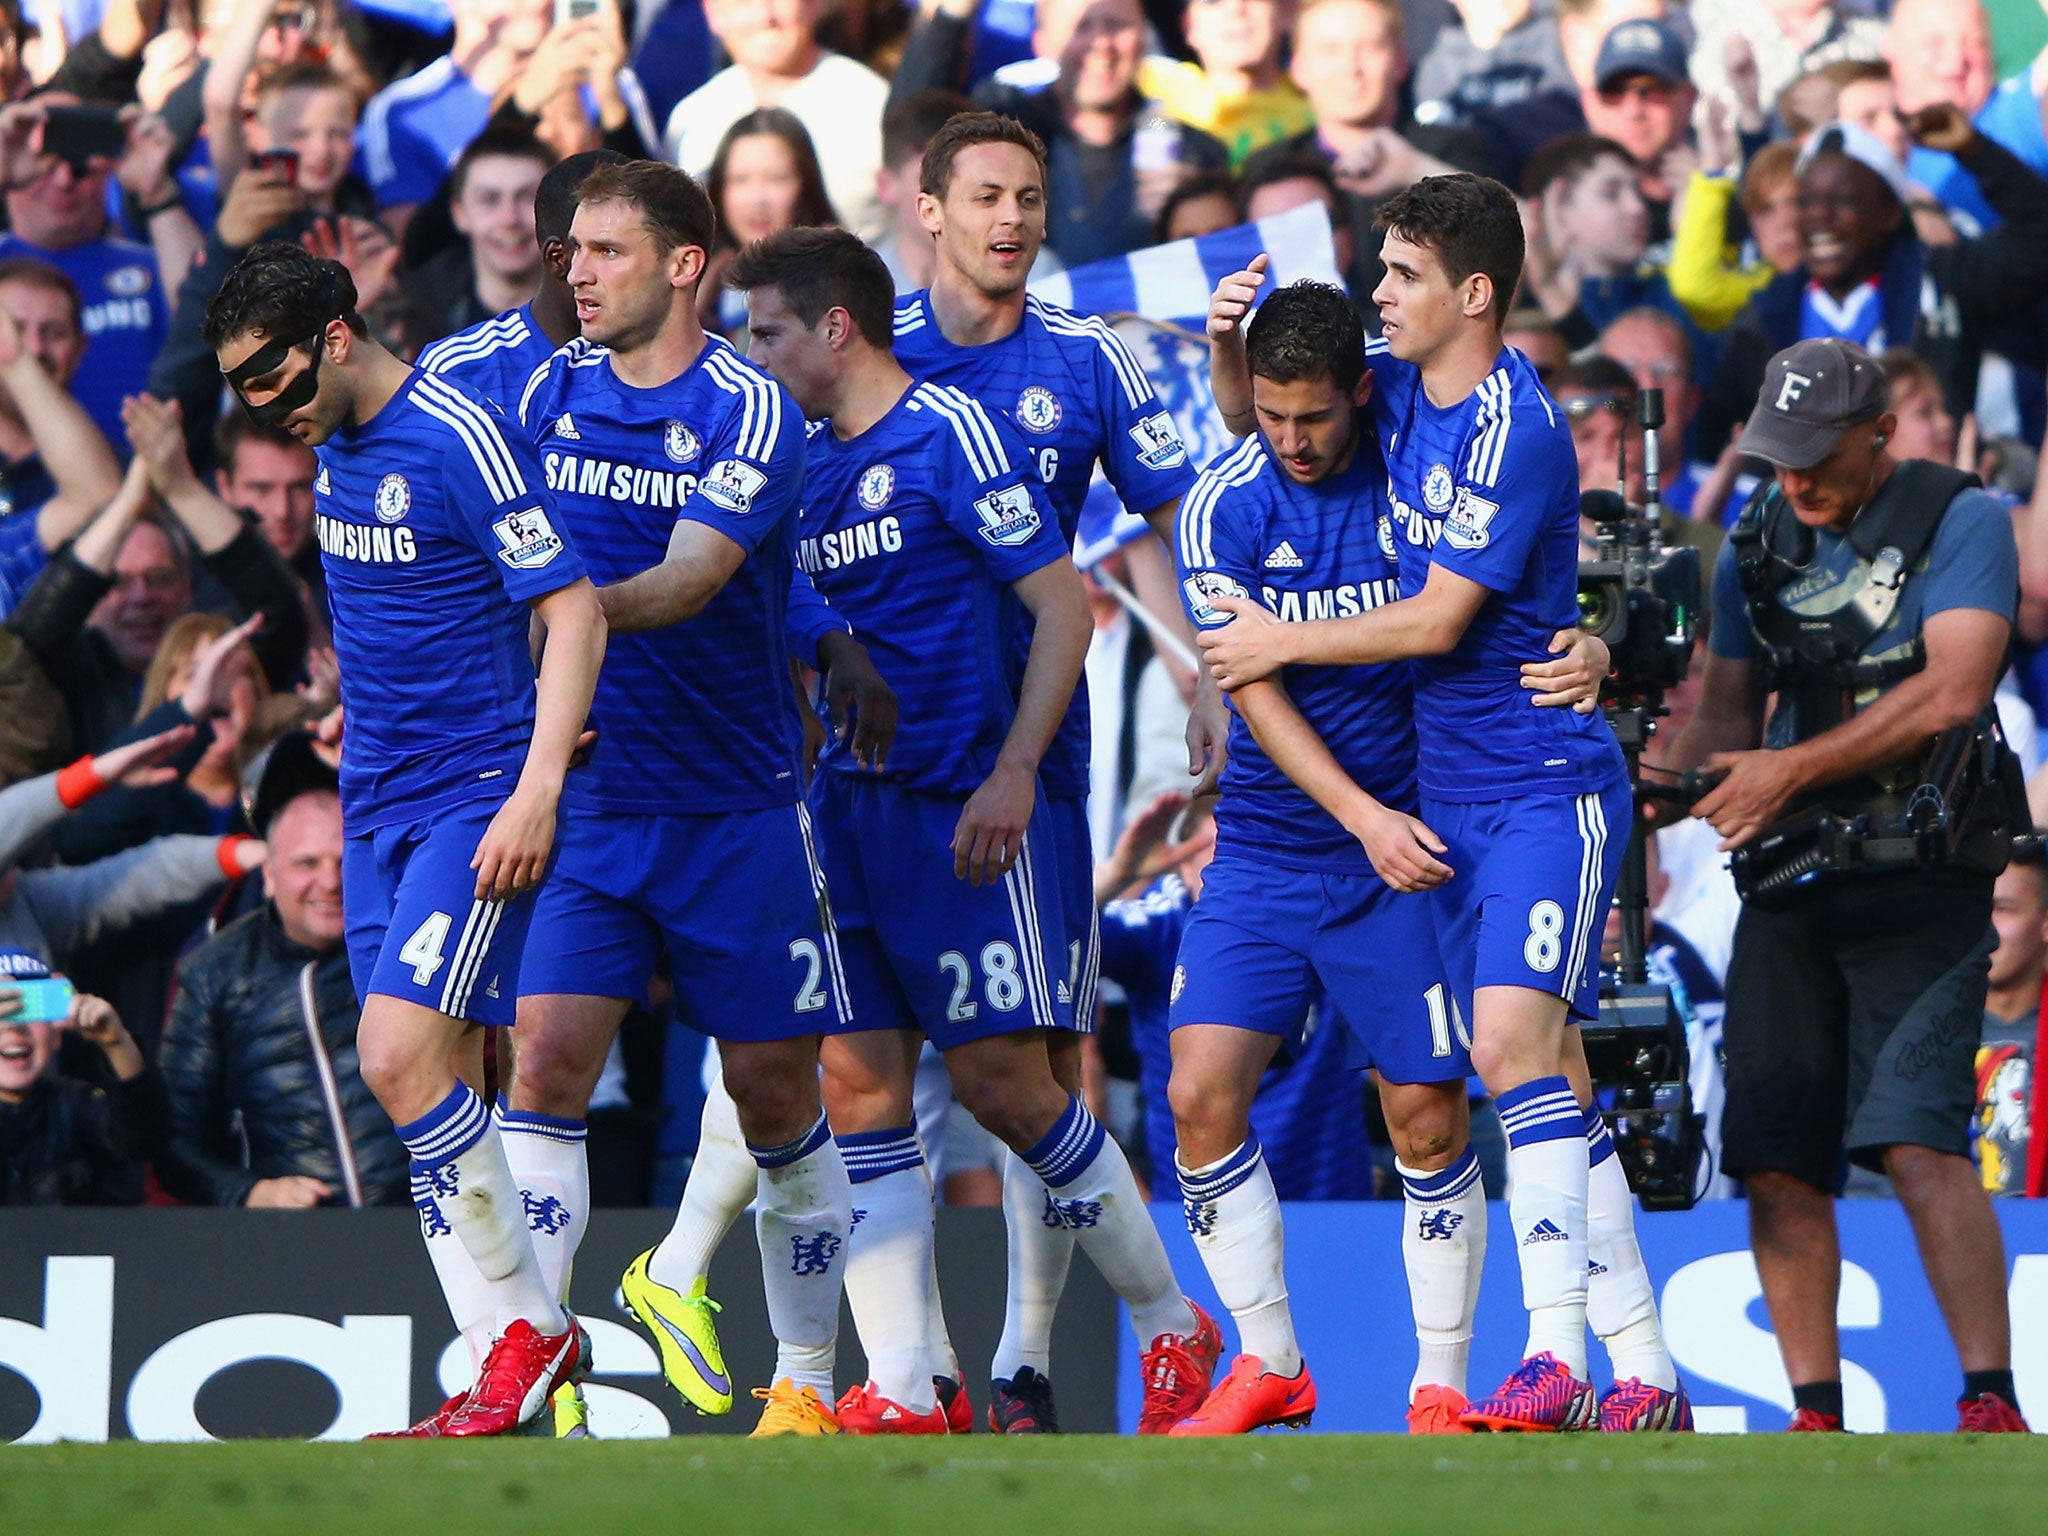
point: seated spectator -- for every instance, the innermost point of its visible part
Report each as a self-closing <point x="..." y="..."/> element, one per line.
<point x="1111" y="157"/>
<point x="57" y="213"/>
<point x="1530" y="332"/>
<point x="1279" y="181"/>
<point x="266" y="475"/>
<point x="1500" y="54"/>
<point x="1349" y="59"/>
<point x="1237" y="90"/>
<point x="1598" y="395"/>
<point x="1589" y="232"/>
<point x="764" y="179"/>
<point x="61" y="913"/>
<point x="267" y="1102"/>
<point x="414" y="128"/>
<point x="68" y="1142"/>
<point x="1201" y="205"/>
<point x="2012" y="1116"/>
<point x="1867" y="278"/>
<point x="1786" y="38"/>
<point x="56" y="469"/>
<point x="497" y="265"/>
<point x="777" y="62"/>
<point x="907" y="126"/>
<point x="1710" y="277"/>
<point x="1641" y="99"/>
<point x="1926" y="430"/>
<point x="1656" y="347"/>
<point x="1940" y="51"/>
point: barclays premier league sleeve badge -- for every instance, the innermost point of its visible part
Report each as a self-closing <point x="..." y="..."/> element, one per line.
<point x="1158" y="440"/>
<point x="528" y="539"/>
<point x="732" y="485"/>
<point x="1202" y="587"/>
<point x="1008" y="516"/>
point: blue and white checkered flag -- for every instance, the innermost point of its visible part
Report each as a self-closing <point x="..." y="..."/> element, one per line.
<point x="1173" y="282"/>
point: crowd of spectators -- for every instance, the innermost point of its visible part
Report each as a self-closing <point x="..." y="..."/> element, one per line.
<point x="1701" y="185"/>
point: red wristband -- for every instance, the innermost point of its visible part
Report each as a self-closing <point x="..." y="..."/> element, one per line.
<point x="78" y="783"/>
<point x="229" y="864"/>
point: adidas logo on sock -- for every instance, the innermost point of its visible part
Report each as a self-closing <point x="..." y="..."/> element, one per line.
<point x="1283" y="558"/>
<point x="1595" y="1269"/>
<point x="1545" y="1231"/>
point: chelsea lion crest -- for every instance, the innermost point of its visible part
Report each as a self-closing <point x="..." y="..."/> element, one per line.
<point x="394" y="499"/>
<point x="877" y="485"/>
<point x="1038" y="409"/>
<point x="679" y="442"/>
<point x="1437" y="488"/>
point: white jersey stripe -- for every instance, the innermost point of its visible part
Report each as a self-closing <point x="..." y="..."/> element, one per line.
<point x="482" y="434"/>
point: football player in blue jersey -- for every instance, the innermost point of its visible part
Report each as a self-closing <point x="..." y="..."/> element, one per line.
<point x="677" y="467"/>
<point x="1525" y="813"/>
<point x="1078" y="399"/>
<point x="436" y="534"/>
<point x="496" y="357"/>
<point x="925" y="526"/>
<point x="1318" y="859"/>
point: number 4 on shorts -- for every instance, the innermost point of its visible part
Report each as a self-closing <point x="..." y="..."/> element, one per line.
<point x="423" y="950"/>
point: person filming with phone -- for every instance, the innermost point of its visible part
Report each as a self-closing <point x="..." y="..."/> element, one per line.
<point x="61" y="1137"/>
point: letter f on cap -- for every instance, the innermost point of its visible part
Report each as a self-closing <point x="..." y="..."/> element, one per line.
<point x="1791" y="388"/>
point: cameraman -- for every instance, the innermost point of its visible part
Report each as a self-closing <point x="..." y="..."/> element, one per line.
<point x="1854" y="1000"/>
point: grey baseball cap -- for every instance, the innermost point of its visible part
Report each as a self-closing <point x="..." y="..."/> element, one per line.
<point x="1814" y="391"/>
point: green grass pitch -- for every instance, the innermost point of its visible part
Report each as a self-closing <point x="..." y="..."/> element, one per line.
<point x="1513" y="1485"/>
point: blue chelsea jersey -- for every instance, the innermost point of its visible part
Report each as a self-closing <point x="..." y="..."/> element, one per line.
<point x="1077" y="398"/>
<point x="1488" y="488"/>
<point x="913" y="531"/>
<point x="1305" y="552"/>
<point x="435" y="530"/>
<point x="494" y="357"/>
<point x="699" y="716"/>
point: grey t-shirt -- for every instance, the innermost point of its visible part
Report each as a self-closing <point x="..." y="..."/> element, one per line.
<point x="1457" y="79"/>
<point x="2005" y="1080"/>
<point x="1973" y="562"/>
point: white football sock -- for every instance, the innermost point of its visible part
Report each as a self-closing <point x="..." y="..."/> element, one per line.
<point x="804" y="1216"/>
<point x="1090" y="1189"/>
<point x="889" y="1264"/>
<point x="549" y="1163"/>
<point x="1621" y="1302"/>
<point x="463" y="1164"/>
<point x="468" y="1293"/>
<point x="1234" y="1214"/>
<point x="723" y="1181"/>
<point x="1443" y="1248"/>
<point x="939" y="1352"/>
<point x="1547" y="1167"/>
<point x="1039" y="1254"/>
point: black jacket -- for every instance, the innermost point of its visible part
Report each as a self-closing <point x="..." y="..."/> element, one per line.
<point x="1941" y="300"/>
<point x="68" y="1142"/>
<point x="252" y="1097"/>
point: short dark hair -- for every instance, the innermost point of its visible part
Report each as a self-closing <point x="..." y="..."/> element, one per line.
<point x="674" y="208"/>
<point x="912" y="123"/>
<point x="816" y="270"/>
<point x="1307" y="330"/>
<point x="236" y="428"/>
<point x="285" y="293"/>
<point x="1280" y="165"/>
<point x="498" y="143"/>
<point x="554" y="201"/>
<point x="1201" y="184"/>
<point x="1567" y="158"/>
<point x="1472" y="223"/>
<point x="40" y="274"/>
<point x="813" y="205"/>
<point x="304" y="75"/>
<point x="964" y="132"/>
